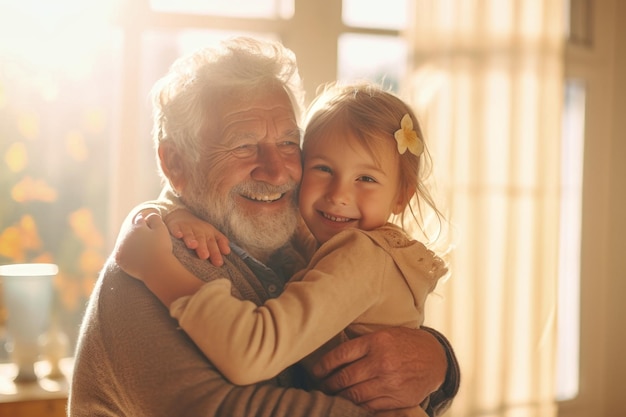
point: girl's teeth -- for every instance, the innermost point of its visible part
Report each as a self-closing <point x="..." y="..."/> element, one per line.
<point x="336" y="219"/>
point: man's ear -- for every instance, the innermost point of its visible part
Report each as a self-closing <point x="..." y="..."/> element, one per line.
<point x="173" y="166"/>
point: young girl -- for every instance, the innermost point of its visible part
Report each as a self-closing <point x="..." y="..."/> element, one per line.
<point x="362" y="154"/>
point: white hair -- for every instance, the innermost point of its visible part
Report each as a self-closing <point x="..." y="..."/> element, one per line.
<point x="196" y="82"/>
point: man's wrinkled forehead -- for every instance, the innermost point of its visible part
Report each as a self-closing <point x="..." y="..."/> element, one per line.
<point x="271" y="98"/>
<point x="268" y="107"/>
<point x="259" y="111"/>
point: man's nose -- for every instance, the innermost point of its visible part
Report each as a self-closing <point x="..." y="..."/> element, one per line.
<point x="271" y="165"/>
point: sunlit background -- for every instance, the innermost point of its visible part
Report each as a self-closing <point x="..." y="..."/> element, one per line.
<point x="503" y="89"/>
<point x="59" y="63"/>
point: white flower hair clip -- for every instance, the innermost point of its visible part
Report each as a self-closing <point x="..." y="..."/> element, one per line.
<point x="407" y="137"/>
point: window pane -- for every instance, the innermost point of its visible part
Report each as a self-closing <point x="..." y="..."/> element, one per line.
<point x="355" y="59"/>
<point x="388" y="14"/>
<point x="236" y="8"/>
<point x="568" y="336"/>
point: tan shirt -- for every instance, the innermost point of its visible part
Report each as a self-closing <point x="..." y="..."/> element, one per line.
<point x="358" y="281"/>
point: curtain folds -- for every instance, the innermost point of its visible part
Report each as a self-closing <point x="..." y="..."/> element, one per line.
<point x="487" y="82"/>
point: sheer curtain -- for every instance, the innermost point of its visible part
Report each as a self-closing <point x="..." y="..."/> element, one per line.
<point x="487" y="81"/>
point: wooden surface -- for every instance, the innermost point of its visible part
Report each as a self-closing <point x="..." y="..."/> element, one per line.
<point x="45" y="398"/>
<point x="34" y="408"/>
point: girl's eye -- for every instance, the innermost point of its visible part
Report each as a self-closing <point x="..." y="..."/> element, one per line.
<point x="322" y="168"/>
<point x="365" y="178"/>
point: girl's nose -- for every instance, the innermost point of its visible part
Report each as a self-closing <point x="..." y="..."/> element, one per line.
<point x="339" y="193"/>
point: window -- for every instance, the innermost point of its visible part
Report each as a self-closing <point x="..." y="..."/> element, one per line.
<point x="355" y="52"/>
<point x="234" y="8"/>
<point x="56" y="123"/>
<point x="568" y="336"/>
<point x="357" y="47"/>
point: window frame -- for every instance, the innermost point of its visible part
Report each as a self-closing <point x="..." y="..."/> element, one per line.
<point x="596" y="56"/>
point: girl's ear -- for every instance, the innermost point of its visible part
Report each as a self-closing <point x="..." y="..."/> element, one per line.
<point x="403" y="200"/>
<point x="173" y="166"/>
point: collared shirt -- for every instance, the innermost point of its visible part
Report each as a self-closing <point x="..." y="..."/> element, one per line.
<point x="271" y="280"/>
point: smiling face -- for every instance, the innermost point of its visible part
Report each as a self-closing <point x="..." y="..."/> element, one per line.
<point x="246" y="181"/>
<point x="345" y="186"/>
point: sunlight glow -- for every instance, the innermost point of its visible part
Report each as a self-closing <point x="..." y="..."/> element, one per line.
<point x="355" y="58"/>
<point x="391" y="14"/>
<point x="239" y="8"/>
<point x="568" y="349"/>
<point x="51" y="36"/>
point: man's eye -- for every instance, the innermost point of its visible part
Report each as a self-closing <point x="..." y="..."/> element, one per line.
<point x="289" y="147"/>
<point x="245" y="150"/>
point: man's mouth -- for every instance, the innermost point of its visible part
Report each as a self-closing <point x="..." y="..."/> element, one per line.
<point x="265" y="198"/>
<point x="335" y="218"/>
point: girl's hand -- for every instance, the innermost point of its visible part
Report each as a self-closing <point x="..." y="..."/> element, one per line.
<point x="145" y="246"/>
<point x="208" y="242"/>
<point x="144" y="251"/>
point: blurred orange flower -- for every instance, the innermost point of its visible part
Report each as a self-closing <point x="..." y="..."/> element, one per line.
<point x="81" y="222"/>
<point x="16" y="157"/>
<point x="76" y="147"/>
<point x="44" y="258"/>
<point x="28" y="125"/>
<point x="29" y="189"/>
<point x="11" y="244"/>
<point x="91" y="261"/>
<point x="17" y="240"/>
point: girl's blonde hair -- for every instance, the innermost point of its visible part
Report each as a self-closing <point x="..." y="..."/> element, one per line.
<point x="373" y="115"/>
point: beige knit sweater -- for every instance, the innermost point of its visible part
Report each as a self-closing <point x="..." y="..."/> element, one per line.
<point x="133" y="360"/>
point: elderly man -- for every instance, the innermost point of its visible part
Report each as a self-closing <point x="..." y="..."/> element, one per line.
<point x="226" y="128"/>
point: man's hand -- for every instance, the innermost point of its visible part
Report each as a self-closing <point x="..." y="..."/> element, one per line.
<point x="388" y="369"/>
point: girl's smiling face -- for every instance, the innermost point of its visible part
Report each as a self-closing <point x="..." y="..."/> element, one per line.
<point x="344" y="185"/>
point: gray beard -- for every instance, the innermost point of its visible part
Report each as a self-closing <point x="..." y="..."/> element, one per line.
<point x="258" y="235"/>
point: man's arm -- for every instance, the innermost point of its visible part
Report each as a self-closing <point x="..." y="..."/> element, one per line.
<point x="133" y="360"/>
<point x="440" y="400"/>
<point x="393" y="368"/>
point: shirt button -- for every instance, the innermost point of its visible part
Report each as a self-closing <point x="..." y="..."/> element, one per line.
<point x="272" y="288"/>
